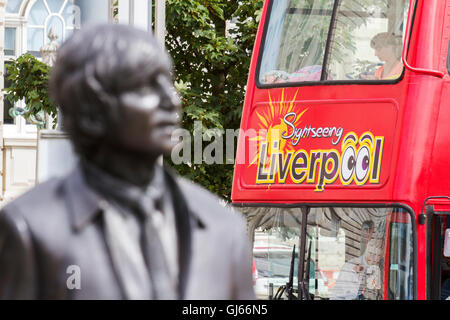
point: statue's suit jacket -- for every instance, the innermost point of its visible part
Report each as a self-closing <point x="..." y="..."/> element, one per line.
<point x="59" y="224"/>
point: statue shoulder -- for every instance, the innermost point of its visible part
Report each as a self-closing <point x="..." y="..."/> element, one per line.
<point x="206" y="204"/>
<point x="34" y="200"/>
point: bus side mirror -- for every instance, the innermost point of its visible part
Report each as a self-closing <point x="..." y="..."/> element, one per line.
<point x="447" y="243"/>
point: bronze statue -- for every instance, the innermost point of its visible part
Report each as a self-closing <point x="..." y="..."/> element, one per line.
<point x="120" y="226"/>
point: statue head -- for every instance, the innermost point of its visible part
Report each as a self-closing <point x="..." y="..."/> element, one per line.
<point x="114" y="87"/>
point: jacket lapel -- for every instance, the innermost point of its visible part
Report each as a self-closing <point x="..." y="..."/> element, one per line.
<point x="187" y="222"/>
<point x="126" y="255"/>
<point x="183" y="226"/>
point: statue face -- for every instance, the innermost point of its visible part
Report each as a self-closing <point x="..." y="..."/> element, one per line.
<point x="150" y="115"/>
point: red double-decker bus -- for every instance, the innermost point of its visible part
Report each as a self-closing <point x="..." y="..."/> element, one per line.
<point x="344" y="150"/>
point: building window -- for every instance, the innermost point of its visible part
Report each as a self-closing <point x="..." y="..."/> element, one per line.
<point x="13" y="6"/>
<point x="10" y="42"/>
<point x="27" y="25"/>
<point x="61" y="15"/>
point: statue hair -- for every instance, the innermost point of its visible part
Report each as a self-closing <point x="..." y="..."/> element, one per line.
<point x="93" y="67"/>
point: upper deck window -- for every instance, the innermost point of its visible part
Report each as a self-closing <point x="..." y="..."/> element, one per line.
<point x="333" y="40"/>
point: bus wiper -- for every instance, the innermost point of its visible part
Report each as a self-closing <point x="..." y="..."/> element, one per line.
<point x="289" y="286"/>
<point x="305" y="286"/>
<point x="304" y="283"/>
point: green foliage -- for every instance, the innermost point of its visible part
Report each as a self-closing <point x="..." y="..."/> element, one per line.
<point x="211" y="63"/>
<point x="29" y="82"/>
<point x="211" y="68"/>
<point x="116" y="8"/>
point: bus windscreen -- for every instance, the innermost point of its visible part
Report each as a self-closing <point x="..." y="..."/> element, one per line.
<point x="353" y="253"/>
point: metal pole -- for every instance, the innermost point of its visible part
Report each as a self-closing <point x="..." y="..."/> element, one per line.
<point x="141" y="17"/>
<point x="160" y="21"/>
<point x="124" y="11"/>
<point x="92" y="11"/>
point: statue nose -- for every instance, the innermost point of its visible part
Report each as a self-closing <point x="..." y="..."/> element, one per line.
<point x="169" y="96"/>
<point x="169" y="101"/>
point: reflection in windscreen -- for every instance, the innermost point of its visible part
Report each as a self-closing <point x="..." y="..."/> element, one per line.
<point x="274" y="262"/>
<point x="275" y="235"/>
<point x="345" y="252"/>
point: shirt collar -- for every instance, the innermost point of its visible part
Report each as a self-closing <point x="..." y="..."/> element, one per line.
<point x="124" y="193"/>
<point x="85" y="203"/>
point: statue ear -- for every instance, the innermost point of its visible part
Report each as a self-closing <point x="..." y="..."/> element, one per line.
<point x="94" y="126"/>
<point x="95" y="123"/>
<point x="67" y="124"/>
<point x="86" y="123"/>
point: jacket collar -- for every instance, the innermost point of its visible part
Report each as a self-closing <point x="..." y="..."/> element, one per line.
<point x="83" y="202"/>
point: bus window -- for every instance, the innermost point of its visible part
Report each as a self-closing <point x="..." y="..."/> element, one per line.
<point x="295" y="41"/>
<point x="275" y="234"/>
<point x="445" y="264"/>
<point x="353" y="244"/>
<point x="367" y="43"/>
<point x="355" y="40"/>
<point x="347" y="251"/>
<point x="400" y="261"/>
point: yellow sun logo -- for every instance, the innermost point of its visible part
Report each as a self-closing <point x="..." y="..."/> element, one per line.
<point x="271" y="126"/>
